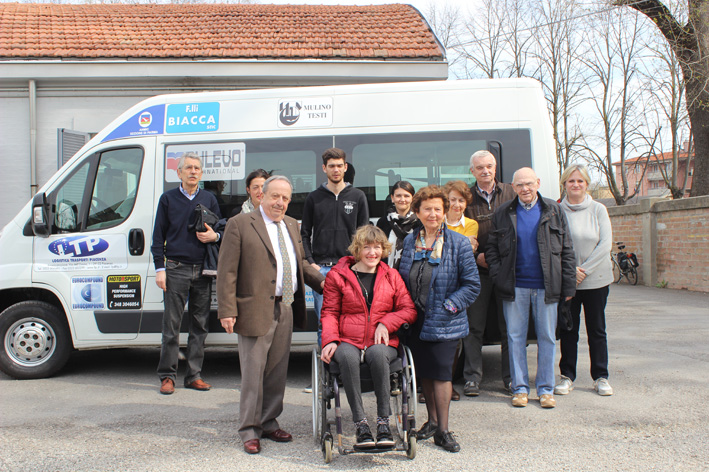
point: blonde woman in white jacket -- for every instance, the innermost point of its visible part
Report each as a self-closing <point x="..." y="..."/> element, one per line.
<point x="591" y="232"/>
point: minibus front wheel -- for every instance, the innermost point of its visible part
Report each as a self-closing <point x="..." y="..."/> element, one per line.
<point x="35" y="340"/>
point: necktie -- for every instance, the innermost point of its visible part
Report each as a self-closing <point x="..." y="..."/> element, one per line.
<point x="287" y="273"/>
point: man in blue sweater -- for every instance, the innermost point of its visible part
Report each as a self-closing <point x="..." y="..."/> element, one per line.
<point x="178" y="255"/>
<point x="532" y="262"/>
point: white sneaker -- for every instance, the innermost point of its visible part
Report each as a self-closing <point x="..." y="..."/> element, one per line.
<point x="564" y="387"/>
<point x="602" y="386"/>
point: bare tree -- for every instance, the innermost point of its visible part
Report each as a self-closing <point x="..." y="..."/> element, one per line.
<point x="445" y="21"/>
<point x="558" y="48"/>
<point x="485" y="47"/>
<point x="518" y="37"/>
<point x="616" y="93"/>
<point x="666" y="88"/>
<point x="687" y="32"/>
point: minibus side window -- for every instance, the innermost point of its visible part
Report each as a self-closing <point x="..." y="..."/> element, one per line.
<point x="67" y="200"/>
<point x="115" y="187"/>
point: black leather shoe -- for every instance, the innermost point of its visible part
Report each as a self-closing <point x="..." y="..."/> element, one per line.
<point x="426" y="431"/>
<point x="446" y="441"/>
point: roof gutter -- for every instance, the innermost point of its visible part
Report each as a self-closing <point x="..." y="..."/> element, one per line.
<point x="32" y="93"/>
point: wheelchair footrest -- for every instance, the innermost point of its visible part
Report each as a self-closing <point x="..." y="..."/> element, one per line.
<point x="373" y="449"/>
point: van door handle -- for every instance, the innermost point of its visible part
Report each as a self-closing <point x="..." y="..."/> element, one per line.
<point x="136" y="242"/>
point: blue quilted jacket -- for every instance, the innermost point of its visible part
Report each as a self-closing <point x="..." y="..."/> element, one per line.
<point x="455" y="279"/>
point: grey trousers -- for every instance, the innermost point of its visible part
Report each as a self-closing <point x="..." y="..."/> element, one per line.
<point x="264" y="368"/>
<point x="183" y="281"/>
<point x="378" y="356"/>
<point x="473" y="343"/>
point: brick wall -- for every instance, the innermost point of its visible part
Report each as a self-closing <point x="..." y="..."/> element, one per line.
<point x="671" y="239"/>
<point x="628" y="228"/>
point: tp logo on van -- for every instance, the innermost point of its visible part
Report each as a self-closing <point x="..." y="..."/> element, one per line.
<point x="78" y="246"/>
<point x="192" y="117"/>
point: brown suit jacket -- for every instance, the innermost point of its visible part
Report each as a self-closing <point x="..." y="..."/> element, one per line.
<point x="246" y="274"/>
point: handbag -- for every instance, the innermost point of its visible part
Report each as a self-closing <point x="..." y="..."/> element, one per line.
<point x="199" y="217"/>
<point x="564" y="322"/>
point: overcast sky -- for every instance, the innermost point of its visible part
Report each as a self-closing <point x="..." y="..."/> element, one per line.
<point x="422" y="5"/>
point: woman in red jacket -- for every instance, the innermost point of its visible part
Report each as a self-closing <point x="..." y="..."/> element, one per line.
<point x="364" y="303"/>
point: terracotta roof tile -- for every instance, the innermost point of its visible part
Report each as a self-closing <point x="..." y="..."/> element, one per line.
<point x="153" y="31"/>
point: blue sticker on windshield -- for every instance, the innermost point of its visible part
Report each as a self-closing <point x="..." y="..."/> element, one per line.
<point x="192" y="117"/>
<point x="147" y="122"/>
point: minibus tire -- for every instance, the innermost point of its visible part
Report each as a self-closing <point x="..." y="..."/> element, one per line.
<point x="35" y="340"/>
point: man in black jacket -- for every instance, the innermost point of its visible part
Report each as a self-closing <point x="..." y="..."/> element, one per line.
<point x="331" y="216"/>
<point x="532" y="262"/>
<point x="488" y="195"/>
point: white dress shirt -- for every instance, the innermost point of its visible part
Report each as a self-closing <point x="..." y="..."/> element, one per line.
<point x="273" y="236"/>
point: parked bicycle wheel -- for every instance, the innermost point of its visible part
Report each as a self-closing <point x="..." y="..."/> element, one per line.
<point x="617" y="272"/>
<point x="632" y="275"/>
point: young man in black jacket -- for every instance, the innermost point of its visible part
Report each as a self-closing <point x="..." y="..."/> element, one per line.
<point x="331" y="216"/>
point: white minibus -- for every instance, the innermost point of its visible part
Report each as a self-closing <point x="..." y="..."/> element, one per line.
<point x="75" y="264"/>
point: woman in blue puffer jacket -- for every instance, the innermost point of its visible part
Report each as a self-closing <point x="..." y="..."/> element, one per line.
<point x="439" y="269"/>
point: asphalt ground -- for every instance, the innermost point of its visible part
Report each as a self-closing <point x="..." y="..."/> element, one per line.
<point x="103" y="411"/>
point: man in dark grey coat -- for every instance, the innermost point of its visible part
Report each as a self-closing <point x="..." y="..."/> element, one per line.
<point x="532" y="262"/>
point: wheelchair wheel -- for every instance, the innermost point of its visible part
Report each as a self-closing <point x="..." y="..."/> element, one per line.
<point x="409" y="377"/>
<point x="315" y="376"/>
<point x="411" y="447"/>
<point x="413" y="388"/>
<point x="327" y="450"/>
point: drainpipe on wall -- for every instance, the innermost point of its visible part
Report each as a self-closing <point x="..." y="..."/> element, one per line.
<point x="33" y="137"/>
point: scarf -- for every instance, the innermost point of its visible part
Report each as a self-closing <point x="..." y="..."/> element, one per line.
<point x="247" y="206"/>
<point x="565" y="204"/>
<point x="401" y="226"/>
<point x="430" y="254"/>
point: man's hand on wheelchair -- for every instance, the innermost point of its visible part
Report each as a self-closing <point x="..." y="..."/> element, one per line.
<point x="327" y="352"/>
<point x="381" y="335"/>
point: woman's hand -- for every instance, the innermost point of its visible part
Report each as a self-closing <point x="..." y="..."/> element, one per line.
<point x="327" y="352"/>
<point x="381" y="335"/>
<point x="474" y="243"/>
<point x="580" y="275"/>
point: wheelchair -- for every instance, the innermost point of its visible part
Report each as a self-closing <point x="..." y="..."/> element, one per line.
<point x="327" y="386"/>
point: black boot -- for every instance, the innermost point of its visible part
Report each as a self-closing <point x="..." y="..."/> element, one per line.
<point x="446" y="441"/>
<point x="426" y="430"/>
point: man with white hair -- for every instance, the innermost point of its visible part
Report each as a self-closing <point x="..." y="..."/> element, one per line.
<point x="488" y="195"/>
<point x="260" y="288"/>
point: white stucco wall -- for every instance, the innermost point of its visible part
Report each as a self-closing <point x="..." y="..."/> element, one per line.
<point x="75" y="111"/>
<point x="15" y="145"/>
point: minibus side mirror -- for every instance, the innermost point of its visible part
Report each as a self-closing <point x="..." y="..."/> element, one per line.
<point x="41" y="224"/>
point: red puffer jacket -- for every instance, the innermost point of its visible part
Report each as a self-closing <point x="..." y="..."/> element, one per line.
<point x="344" y="314"/>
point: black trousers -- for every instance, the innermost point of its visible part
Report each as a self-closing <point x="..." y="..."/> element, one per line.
<point x="594" y="313"/>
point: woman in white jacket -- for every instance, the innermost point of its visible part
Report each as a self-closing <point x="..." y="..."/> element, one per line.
<point x="592" y="235"/>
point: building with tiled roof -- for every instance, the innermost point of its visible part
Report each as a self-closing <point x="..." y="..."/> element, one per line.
<point x="75" y="67"/>
<point x="649" y="172"/>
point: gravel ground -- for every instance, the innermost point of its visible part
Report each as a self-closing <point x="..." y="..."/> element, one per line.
<point x="103" y="412"/>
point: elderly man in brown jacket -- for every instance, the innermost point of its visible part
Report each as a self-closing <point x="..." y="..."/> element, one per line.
<point x="260" y="289"/>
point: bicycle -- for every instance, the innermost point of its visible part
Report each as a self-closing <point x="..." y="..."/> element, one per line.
<point x="625" y="264"/>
